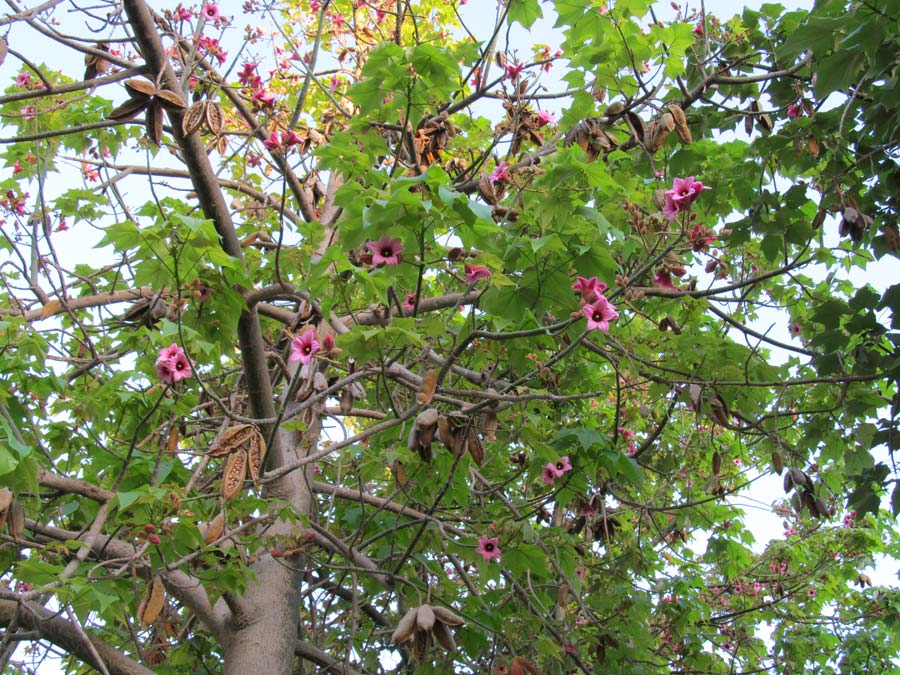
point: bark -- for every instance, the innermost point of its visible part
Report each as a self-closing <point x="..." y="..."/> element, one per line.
<point x="261" y="634"/>
<point x="65" y="635"/>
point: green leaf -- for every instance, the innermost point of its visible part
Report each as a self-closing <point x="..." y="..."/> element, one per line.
<point x="525" y="12"/>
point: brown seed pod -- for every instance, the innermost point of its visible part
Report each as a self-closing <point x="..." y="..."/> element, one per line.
<point x="443" y="636"/>
<point x="681" y="125"/>
<point x="215" y="118"/>
<point x="346" y="404"/>
<point x="777" y="462"/>
<point x="475" y="446"/>
<point x="171" y="97"/>
<point x="215" y="529"/>
<point x="138" y="87"/>
<point x="444" y="615"/>
<point x="427" y="388"/>
<point x="421" y="644"/>
<point x="800" y="478"/>
<point x="129" y="110"/>
<point x="152" y="604"/>
<point x="194" y="117"/>
<point x="636" y="124"/>
<point x="16" y="519"/>
<point x="424" y="618"/>
<point x="154" y="122"/>
<point x="405" y="628"/>
<point x="4" y="50"/>
<point x="231" y="439"/>
<point x="234" y="474"/>
<point x="6" y="498"/>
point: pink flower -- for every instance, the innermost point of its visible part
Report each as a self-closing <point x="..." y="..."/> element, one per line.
<point x="181" y="14"/>
<point x="701" y="238"/>
<point x="811" y="592"/>
<point x="23" y="79"/>
<point x="513" y="70"/>
<point x="290" y="138"/>
<point x="545" y="118"/>
<point x="172" y="364"/>
<point x="683" y="193"/>
<point x="248" y="76"/>
<point x="410" y="304"/>
<point x="500" y="174"/>
<point x="663" y="279"/>
<point x="210" y="11"/>
<point x="263" y="98"/>
<point x="796" y="329"/>
<point x="338" y="20"/>
<point x="553" y="470"/>
<point x="487" y="548"/>
<point x="17" y="168"/>
<point x="590" y="289"/>
<point x="599" y="314"/>
<point x="476" y="272"/>
<point x="698" y="29"/>
<point x="385" y="251"/>
<point x="794" y="111"/>
<point x="303" y="347"/>
<point x="273" y="142"/>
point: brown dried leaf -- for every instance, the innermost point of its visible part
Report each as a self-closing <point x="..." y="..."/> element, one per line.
<point x="215" y="118"/>
<point x="716" y="463"/>
<point x="4" y="49"/>
<point x="234" y="474"/>
<point x="152" y="604"/>
<point x="194" y="117"/>
<point x="138" y="87"/>
<point x="427" y="388"/>
<point x="891" y="237"/>
<point x="215" y="529"/>
<point x="813" y="146"/>
<point x="404" y="630"/>
<point x="52" y="307"/>
<point x="172" y="440"/>
<point x="16" y="519"/>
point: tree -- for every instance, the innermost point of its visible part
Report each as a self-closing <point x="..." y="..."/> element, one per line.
<point x="403" y="350"/>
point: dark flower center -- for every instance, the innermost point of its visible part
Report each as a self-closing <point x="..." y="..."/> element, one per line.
<point x="179" y="365"/>
<point x="387" y="252"/>
<point x="597" y="315"/>
<point x="559" y="466"/>
<point x="488" y="547"/>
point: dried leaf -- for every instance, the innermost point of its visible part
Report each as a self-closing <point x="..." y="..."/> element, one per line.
<point x="405" y="628"/>
<point x="443" y="636"/>
<point x="152" y="604"/>
<point x="215" y="118"/>
<point x="4" y="49"/>
<point x="444" y="615"/>
<point x="427" y="388"/>
<point x="52" y="307"/>
<point x="194" y="117"/>
<point x="813" y="146"/>
<point x="16" y="519"/>
<point x="215" y="529"/>
<point x="716" y="463"/>
<point x="138" y="87"/>
<point x="234" y="474"/>
<point x="172" y="441"/>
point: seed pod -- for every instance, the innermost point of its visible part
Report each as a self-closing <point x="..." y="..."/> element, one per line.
<point x="4" y="50"/>
<point x="425" y="618"/>
<point x="215" y="118"/>
<point x="788" y="482"/>
<point x="427" y="388"/>
<point x="320" y="382"/>
<point x="6" y="497"/>
<point x="443" y="636"/>
<point x="446" y="616"/>
<point x="405" y="628"/>
<point x="194" y="117"/>
<point x="346" y="404"/>
<point x="444" y="431"/>
<point x="152" y="604"/>
<point x="426" y="424"/>
<point x="234" y="474"/>
<point x="719" y="409"/>
<point x="128" y="110"/>
<point x="215" y="529"/>
<point x="822" y="506"/>
<point x="475" y="446"/>
<point x="800" y="478"/>
<point x="140" y="87"/>
<point x="16" y="519"/>
<point x="636" y="124"/>
<point x="777" y="462"/>
<point x="154" y="123"/>
<point x="171" y="97"/>
<point x="681" y="125"/>
<point x="231" y="439"/>
<point x="421" y="644"/>
<point x="412" y="441"/>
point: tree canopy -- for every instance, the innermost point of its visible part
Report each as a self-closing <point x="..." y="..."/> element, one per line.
<point x="376" y="337"/>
